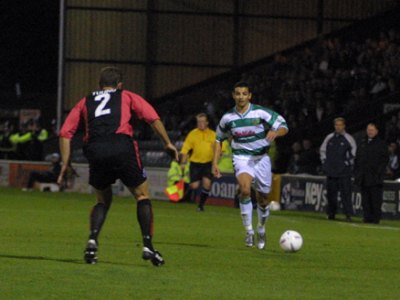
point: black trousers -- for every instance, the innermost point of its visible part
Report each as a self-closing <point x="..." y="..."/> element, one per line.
<point x="46" y="177"/>
<point x="372" y="197"/>
<point x="342" y="185"/>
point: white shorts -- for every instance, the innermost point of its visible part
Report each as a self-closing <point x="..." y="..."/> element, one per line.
<point x="258" y="168"/>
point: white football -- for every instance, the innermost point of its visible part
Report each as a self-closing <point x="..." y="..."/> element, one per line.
<point x="291" y="241"/>
<point x="274" y="206"/>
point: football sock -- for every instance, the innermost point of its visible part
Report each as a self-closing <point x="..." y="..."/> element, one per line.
<point x="203" y="197"/>
<point x="263" y="214"/>
<point x="145" y="219"/>
<point x="246" y="211"/>
<point x="97" y="217"/>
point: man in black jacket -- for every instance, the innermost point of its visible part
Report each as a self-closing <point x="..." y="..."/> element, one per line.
<point x="337" y="154"/>
<point x="371" y="160"/>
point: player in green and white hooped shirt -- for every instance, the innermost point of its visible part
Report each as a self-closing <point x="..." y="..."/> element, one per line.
<point x="251" y="129"/>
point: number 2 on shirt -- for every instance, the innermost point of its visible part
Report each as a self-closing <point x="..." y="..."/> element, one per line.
<point x="100" y="110"/>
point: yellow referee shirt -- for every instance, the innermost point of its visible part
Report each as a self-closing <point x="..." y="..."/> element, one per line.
<point x="201" y="145"/>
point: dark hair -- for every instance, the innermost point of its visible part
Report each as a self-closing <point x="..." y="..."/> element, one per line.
<point x="373" y="124"/>
<point x="242" y="84"/>
<point x="110" y="76"/>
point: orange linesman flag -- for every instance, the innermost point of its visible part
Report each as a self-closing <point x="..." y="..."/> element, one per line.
<point x="175" y="192"/>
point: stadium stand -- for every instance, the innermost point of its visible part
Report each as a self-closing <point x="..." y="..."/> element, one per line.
<point x="351" y="73"/>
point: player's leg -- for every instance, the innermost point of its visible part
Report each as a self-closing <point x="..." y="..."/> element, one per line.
<point x="99" y="211"/>
<point x="246" y="207"/>
<point x="244" y="171"/>
<point x="130" y="170"/>
<point x="144" y="213"/>
<point x="100" y="178"/>
<point x="263" y="180"/>
<point x="263" y="209"/>
<point x="97" y="218"/>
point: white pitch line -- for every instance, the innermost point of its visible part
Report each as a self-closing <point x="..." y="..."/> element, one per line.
<point x="344" y="224"/>
<point x="370" y="227"/>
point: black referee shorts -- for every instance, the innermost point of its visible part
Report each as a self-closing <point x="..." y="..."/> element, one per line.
<point x="112" y="159"/>
<point x="200" y="170"/>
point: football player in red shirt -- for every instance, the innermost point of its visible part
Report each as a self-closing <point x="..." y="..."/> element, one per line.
<point x="106" y="116"/>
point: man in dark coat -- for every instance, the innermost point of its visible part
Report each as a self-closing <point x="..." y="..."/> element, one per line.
<point x="371" y="159"/>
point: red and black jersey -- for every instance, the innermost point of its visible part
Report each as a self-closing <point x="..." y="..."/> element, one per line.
<point x="105" y="113"/>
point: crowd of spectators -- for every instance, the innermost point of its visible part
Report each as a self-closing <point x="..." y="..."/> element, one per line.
<point x="330" y="77"/>
<point x="23" y="143"/>
<point x="333" y="76"/>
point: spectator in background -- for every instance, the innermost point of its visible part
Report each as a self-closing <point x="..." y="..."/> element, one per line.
<point x="308" y="160"/>
<point x="293" y="167"/>
<point x="319" y="111"/>
<point x="392" y="168"/>
<point x="38" y="136"/>
<point x="211" y="110"/>
<point x="49" y="176"/>
<point x="379" y="86"/>
<point x="7" y="149"/>
<point x="20" y="141"/>
<point x="198" y="149"/>
<point x="392" y="131"/>
<point x="29" y="141"/>
<point x="337" y="154"/>
<point x="370" y="163"/>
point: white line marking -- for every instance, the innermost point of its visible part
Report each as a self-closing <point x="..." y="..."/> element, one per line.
<point x="370" y="227"/>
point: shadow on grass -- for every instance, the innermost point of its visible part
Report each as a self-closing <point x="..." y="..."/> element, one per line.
<point x="185" y="245"/>
<point x="66" y="260"/>
<point x="31" y="257"/>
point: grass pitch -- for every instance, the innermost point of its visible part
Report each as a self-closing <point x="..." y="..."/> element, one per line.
<point x="43" y="236"/>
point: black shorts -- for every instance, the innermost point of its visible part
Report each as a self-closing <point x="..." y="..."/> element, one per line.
<point x="199" y="170"/>
<point x="117" y="157"/>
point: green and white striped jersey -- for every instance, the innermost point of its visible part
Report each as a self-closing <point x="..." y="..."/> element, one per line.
<point x="249" y="130"/>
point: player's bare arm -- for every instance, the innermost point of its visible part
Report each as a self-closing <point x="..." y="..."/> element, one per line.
<point x="273" y="134"/>
<point x="65" y="149"/>
<point x="216" y="157"/>
<point x="159" y="129"/>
